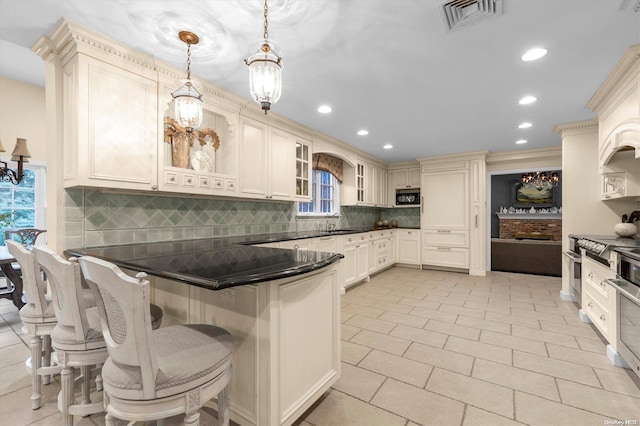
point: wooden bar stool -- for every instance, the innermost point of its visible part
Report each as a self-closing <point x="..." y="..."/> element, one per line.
<point x="161" y="373"/>
<point x="38" y="320"/>
<point x="76" y="338"/>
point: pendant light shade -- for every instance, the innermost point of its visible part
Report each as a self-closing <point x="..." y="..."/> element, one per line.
<point x="186" y="99"/>
<point x="265" y="70"/>
<point x="265" y="75"/>
<point x="188" y="106"/>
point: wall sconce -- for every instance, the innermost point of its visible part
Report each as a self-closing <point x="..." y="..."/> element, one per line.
<point x="21" y="155"/>
<point x="187" y="99"/>
<point x="265" y="70"/>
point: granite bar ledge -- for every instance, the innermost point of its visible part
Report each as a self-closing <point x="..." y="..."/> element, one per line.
<point x="215" y="263"/>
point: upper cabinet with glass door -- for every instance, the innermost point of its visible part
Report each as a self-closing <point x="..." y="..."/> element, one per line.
<point x="303" y="170"/>
<point x="201" y="161"/>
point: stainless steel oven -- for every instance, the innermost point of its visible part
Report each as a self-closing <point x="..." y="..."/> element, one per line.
<point x="627" y="283"/>
<point x="574" y="259"/>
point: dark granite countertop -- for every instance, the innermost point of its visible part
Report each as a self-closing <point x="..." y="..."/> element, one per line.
<point x="218" y="263"/>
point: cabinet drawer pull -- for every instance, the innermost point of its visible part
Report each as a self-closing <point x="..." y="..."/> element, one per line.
<point x="590" y="275"/>
<point x="590" y="305"/>
<point x="444" y="248"/>
<point x="603" y="318"/>
<point x="444" y="230"/>
<point x="172" y="178"/>
<point x="189" y="180"/>
<point x="204" y="182"/>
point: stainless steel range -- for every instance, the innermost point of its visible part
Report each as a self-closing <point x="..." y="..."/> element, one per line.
<point x="596" y="247"/>
<point x="599" y="247"/>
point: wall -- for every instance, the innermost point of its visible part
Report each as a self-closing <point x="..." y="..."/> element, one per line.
<point x="583" y="211"/>
<point x="96" y="218"/>
<point x="22" y="115"/>
<point x="529" y="228"/>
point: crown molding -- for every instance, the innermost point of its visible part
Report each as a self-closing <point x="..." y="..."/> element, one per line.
<point x="624" y="69"/>
<point x="577" y="127"/>
<point x="530" y="154"/>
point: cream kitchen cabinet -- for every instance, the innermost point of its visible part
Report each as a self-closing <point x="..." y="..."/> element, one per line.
<point x="598" y="298"/>
<point x="327" y="244"/>
<point x="407" y="178"/>
<point x="408" y="246"/>
<point x="445" y="217"/>
<point x="109" y="124"/>
<point x="356" y="249"/>
<point x="364" y="185"/>
<point x="268" y="162"/>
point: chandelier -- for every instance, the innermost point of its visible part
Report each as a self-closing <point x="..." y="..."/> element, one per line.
<point x="265" y="70"/>
<point x="21" y="155"/>
<point x="541" y="180"/>
<point x="187" y="100"/>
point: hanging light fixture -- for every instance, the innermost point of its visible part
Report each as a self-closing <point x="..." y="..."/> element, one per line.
<point x="187" y="99"/>
<point x="541" y="180"/>
<point x="265" y="70"/>
<point x="21" y="155"/>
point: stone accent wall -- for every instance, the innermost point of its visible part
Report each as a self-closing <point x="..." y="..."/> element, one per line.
<point x="550" y="229"/>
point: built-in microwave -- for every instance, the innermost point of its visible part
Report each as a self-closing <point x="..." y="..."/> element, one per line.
<point x="407" y="198"/>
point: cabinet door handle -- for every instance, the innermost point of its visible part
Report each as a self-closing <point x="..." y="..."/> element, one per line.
<point x="603" y="318"/>
<point x="590" y="305"/>
<point x="154" y="187"/>
<point x="476" y="221"/>
<point x="421" y="204"/>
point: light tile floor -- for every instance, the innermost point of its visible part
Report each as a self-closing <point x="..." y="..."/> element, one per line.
<point x="431" y="348"/>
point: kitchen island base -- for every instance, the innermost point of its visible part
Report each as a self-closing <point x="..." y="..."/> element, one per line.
<point x="287" y="339"/>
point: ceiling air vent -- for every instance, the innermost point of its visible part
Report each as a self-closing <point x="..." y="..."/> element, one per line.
<point x="460" y="13"/>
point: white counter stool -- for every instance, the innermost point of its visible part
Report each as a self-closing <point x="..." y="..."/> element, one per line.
<point x="38" y="320"/>
<point x="77" y="338"/>
<point x="161" y="373"/>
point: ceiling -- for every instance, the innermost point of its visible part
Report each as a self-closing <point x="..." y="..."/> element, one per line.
<point x="390" y="67"/>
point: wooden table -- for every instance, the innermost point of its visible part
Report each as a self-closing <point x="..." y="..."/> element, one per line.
<point x="14" y="279"/>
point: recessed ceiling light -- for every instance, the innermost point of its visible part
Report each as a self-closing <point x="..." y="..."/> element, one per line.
<point x="363" y="132"/>
<point x="521" y="141"/>
<point x="524" y="125"/>
<point x="527" y="100"/>
<point x="533" y="54"/>
<point x="324" y="109"/>
<point x="388" y="146"/>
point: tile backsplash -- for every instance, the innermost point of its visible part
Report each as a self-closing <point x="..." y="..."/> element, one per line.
<point x="96" y="218"/>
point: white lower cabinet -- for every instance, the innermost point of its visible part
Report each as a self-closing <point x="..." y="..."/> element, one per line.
<point x="449" y="257"/>
<point x="287" y="339"/>
<point x="408" y="246"/>
<point x="598" y="298"/>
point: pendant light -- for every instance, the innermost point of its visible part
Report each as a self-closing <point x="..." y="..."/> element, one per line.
<point x="187" y="100"/>
<point x="265" y="70"/>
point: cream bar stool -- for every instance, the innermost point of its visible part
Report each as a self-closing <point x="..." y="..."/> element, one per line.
<point x="77" y="338"/>
<point x="161" y="373"/>
<point x="38" y="320"/>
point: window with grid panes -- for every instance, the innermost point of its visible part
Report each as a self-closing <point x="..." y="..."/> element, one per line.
<point x="22" y="205"/>
<point x="325" y="195"/>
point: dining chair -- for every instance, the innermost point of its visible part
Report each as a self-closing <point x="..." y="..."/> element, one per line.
<point x="155" y="374"/>
<point x="77" y="337"/>
<point x="25" y="236"/>
<point x="38" y="320"/>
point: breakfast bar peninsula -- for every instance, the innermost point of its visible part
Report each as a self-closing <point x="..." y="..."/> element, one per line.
<point x="282" y="307"/>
